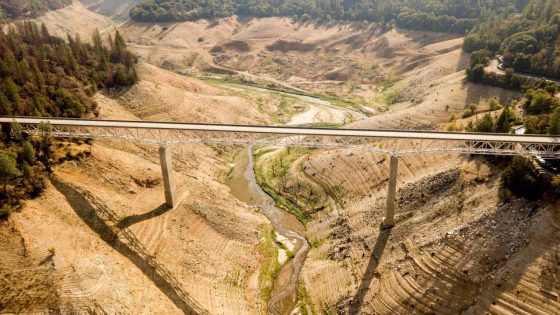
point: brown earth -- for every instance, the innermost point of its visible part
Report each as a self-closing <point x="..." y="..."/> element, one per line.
<point x="117" y="248"/>
<point x="115" y="9"/>
<point x="76" y="19"/>
<point x="456" y="248"/>
<point x="281" y="49"/>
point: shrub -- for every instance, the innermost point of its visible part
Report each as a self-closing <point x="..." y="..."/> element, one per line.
<point x="555" y="183"/>
<point x="467" y="113"/>
<point x="5" y="211"/>
<point x="522" y="179"/>
<point x="486" y="124"/>
<point x="494" y="104"/>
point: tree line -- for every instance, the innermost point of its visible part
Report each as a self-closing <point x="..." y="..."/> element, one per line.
<point x="431" y="15"/>
<point x="46" y="76"/>
<point x="43" y="75"/>
<point x="528" y="41"/>
<point x="14" y="9"/>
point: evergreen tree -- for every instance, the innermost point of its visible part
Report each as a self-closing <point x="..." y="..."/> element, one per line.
<point x="28" y="152"/>
<point x="503" y="124"/>
<point x="486" y="124"/>
<point x="8" y="168"/>
<point x="554" y="123"/>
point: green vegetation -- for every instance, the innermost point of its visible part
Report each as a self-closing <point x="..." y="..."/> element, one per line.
<point x="270" y="266"/>
<point x="543" y="114"/>
<point x="487" y="124"/>
<point x="23" y="166"/>
<point x="306" y="307"/>
<point x="528" y="42"/>
<point x="13" y="9"/>
<point x="431" y="15"/>
<point x="295" y="195"/>
<point x="42" y="75"/>
<point x="389" y="97"/>
<point x="521" y="178"/>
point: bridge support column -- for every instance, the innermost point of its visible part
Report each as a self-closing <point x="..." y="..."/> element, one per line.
<point x="389" y="220"/>
<point x="167" y="171"/>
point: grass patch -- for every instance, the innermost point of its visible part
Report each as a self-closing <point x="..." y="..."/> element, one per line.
<point x="306" y="307"/>
<point x="294" y="194"/>
<point x="286" y="109"/>
<point x="270" y="267"/>
<point x="389" y="97"/>
<point x="316" y="243"/>
<point x="389" y="91"/>
<point x="285" y="203"/>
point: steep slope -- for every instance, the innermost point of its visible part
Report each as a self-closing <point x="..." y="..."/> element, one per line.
<point x="115" y="9"/>
<point x="76" y="19"/>
<point x="116" y="247"/>
<point x="448" y="205"/>
<point x="19" y="9"/>
<point x="284" y="49"/>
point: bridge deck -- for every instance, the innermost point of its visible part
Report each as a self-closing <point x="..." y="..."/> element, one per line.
<point x="301" y="131"/>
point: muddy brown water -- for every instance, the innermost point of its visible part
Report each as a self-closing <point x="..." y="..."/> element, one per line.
<point x="244" y="187"/>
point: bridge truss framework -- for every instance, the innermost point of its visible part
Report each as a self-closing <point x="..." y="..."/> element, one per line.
<point x="395" y="143"/>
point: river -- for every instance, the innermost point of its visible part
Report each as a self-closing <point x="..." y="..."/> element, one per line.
<point x="332" y="113"/>
<point x="244" y="187"/>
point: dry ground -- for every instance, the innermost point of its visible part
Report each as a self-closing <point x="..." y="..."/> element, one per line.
<point x="76" y="19"/>
<point x="117" y="248"/>
<point x="456" y="247"/>
<point x="344" y="60"/>
<point x="116" y="9"/>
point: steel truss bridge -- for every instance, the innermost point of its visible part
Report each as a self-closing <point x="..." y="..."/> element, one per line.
<point x="394" y="143"/>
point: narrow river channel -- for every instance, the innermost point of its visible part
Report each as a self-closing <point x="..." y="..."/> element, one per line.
<point x="244" y="187"/>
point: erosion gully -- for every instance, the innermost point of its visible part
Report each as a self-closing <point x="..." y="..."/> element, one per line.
<point x="244" y="186"/>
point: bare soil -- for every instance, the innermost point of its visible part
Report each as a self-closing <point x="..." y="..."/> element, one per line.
<point x="456" y="248"/>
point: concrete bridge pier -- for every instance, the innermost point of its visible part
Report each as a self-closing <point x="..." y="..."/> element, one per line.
<point x="389" y="220"/>
<point x="167" y="171"/>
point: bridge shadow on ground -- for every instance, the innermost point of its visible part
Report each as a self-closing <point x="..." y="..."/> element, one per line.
<point x="136" y="218"/>
<point x="106" y="224"/>
<point x="374" y="259"/>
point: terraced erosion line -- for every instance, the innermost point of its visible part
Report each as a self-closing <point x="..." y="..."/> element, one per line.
<point x="113" y="230"/>
<point x="267" y="206"/>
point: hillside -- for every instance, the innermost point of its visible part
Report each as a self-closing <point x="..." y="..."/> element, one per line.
<point x="462" y="243"/>
<point x="360" y="64"/>
<point x="17" y="9"/>
<point x="444" y="16"/>
<point x="115" y="9"/>
<point x="44" y="76"/>
<point x="210" y="243"/>
<point x="527" y="41"/>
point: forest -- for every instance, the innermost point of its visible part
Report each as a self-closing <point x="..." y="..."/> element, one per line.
<point x="13" y="9"/>
<point x="42" y="75"/>
<point x="455" y="16"/>
<point x="529" y="42"/>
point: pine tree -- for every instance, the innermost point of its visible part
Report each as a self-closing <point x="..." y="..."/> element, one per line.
<point x="8" y="169"/>
<point x="11" y="91"/>
<point x="504" y="120"/>
<point x="17" y="131"/>
<point x="554" y="123"/>
<point x="28" y="152"/>
<point x="6" y="107"/>
<point x="486" y="124"/>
